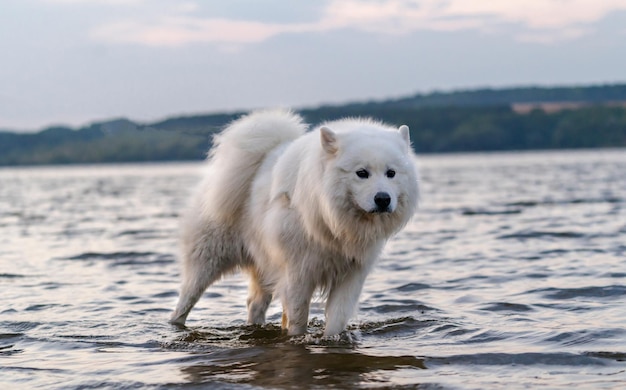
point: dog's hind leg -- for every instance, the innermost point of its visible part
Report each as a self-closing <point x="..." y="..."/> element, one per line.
<point x="259" y="299"/>
<point x="192" y="288"/>
<point x="207" y="256"/>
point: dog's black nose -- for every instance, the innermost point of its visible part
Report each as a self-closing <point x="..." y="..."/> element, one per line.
<point x="382" y="200"/>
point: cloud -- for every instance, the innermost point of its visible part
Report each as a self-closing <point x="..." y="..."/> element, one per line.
<point x="95" y="2"/>
<point x="540" y="14"/>
<point x="176" y="31"/>
<point x="561" y="17"/>
<point x="543" y="21"/>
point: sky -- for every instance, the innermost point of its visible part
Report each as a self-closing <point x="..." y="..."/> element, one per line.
<point x="73" y="62"/>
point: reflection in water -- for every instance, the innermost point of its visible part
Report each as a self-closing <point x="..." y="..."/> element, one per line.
<point x="288" y="364"/>
<point x="266" y="356"/>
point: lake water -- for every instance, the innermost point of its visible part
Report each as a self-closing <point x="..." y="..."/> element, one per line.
<point x="511" y="275"/>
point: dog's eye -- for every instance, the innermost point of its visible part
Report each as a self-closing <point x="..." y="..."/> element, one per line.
<point x="390" y="173"/>
<point x="362" y="173"/>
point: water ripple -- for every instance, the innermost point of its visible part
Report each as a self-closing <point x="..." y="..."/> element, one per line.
<point x="521" y="359"/>
<point x="126" y="258"/>
<point x="507" y="307"/>
<point x="591" y="292"/>
<point x="532" y="234"/>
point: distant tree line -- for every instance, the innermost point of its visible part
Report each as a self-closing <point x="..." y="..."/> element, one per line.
<point x="95" y="145"/>
<point x="439" y="122"/>
<point x="456" y="129"/>
<point x="506" y="96"/>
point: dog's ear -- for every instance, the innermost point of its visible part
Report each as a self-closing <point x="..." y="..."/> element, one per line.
<point x="404" y="132"/>
<point x="329" y="140"/>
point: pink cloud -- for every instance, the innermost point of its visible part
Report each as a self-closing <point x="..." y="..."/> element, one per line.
<point x="543" y="21"/>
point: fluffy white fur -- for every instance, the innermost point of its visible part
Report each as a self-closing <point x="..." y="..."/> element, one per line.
<point x="298" y="211"/>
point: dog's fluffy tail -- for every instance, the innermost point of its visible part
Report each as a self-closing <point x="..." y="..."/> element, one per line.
<point x="237" y="154"/>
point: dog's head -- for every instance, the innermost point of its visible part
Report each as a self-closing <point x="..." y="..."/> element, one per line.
<point x="370" y="168"/>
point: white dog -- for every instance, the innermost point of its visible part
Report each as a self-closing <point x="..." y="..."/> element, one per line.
<point x="298" y="211"/>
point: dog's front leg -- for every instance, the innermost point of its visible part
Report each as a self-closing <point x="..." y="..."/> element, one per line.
<point x="343" y="300"/>
<point x="296" y="301"/>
